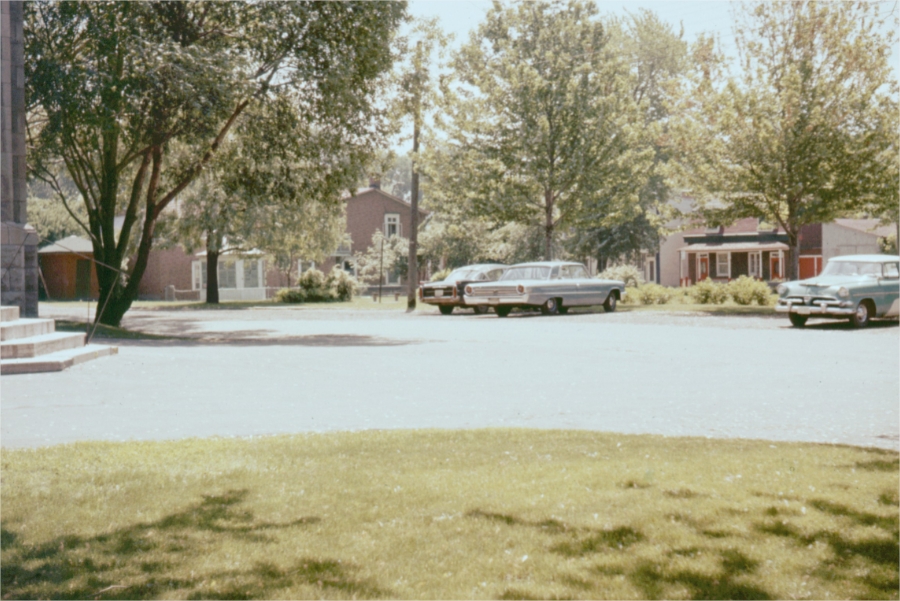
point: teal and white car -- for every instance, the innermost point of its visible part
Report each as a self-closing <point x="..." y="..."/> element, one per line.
<point x="854" y="287"/>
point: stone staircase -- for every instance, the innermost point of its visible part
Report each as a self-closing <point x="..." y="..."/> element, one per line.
<point x="34" y="345"/>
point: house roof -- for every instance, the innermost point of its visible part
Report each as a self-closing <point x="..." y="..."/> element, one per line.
<point x="384" y="194"/>
<point x="72" y="244"/>
<point x="736" y="247"/>
<point x="868" y="226"/>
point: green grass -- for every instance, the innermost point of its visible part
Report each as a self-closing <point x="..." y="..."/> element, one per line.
<point x="486" y="514"/>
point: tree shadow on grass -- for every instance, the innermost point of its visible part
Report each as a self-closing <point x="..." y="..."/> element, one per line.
<point x="653" y="580"/>
<point x="139" y="561"/>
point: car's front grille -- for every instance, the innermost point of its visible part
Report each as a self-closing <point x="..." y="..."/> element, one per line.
<point x="494" y="291"/>
<point x="812" y="300"/>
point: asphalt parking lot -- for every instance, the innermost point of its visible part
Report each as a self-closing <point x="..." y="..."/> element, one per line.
<point x="267" y="371"/>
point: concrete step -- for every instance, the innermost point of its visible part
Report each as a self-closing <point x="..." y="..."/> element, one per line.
<point x="9" y="313"/>
<point x="57" y="361"/>
<point x="21" y="348"/>
<point x="26" y="328"/>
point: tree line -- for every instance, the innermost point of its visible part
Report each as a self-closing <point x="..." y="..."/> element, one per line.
<point x="553" y="130"/>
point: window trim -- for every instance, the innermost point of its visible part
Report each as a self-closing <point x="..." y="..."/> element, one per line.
<point x="727" y="265"/>
<point x="386" y="224"/>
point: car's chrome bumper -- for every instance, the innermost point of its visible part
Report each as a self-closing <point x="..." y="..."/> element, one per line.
<point x="443" y="300"/>
<point x="844" y="309"/>
<point x="493" y="301"/>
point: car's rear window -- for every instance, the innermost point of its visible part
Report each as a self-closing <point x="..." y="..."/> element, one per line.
<point x="535" y="272"/>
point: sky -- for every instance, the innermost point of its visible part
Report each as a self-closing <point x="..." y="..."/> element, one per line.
<point x="698" y="16"/>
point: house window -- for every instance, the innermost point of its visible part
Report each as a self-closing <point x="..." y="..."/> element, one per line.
<point x="754" y="267"/>
<point x="723" y="265"/>
<point x="651" y="270"/>
<point x="392" y="224"/>
<point x="251" y="273"/>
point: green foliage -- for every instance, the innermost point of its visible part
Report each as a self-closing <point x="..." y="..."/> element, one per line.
<point x="343" y="285"/>
<point x="137" y="99"/>
<point x="807" y="130"/>
<point x="887" y="245"/>
<point x="746" y="290"/>
<point x="543" y="128"/>
<point x="385" y="256"/>
<point x="52" y="221"/>
<point x="629" y="274"/>
<point x="708" y="292"/>
<point x="653" y="294"/>
<point x="440" y="275"/>
<point x="313" y="286"/>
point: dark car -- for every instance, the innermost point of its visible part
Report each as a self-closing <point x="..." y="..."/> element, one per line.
<point x="448" y="293"/>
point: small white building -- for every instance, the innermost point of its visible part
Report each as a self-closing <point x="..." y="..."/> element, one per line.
<point x="241" y="277"/>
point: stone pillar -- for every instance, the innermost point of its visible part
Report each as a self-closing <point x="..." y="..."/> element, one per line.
<point x="18" y="241"/>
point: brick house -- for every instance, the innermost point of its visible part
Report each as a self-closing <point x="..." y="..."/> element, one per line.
<point x="367" y="212"/>
<point x="67" y="270"/>
<point x="745" y="248"/>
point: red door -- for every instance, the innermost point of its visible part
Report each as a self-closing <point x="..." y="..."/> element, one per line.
<point x="810" y="267"/>
<point x="775" y="267"/>
<point x="703" y="270"/>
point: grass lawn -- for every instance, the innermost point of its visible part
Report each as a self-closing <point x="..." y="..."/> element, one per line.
<point x="509" y="514"/>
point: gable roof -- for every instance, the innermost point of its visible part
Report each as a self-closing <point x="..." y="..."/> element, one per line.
<point x="868" y="226"/>
<point x="379" y="192"/>
<point x="72" y="244"/>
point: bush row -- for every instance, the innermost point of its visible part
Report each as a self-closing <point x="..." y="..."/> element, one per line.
<point x="313" y="286"/>
<point x="743" y="291"/>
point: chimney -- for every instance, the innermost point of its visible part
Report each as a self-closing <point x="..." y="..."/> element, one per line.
<point x="375" y="184"/>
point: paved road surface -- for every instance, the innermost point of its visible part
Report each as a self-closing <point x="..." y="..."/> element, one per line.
<point x="266" y="371"/>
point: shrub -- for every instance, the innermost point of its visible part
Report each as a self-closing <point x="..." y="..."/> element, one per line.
<point x="315" y="288"/>
<point x="290" y="295"/>
<point x="653" y="294"/>
<point x="341" y="284"/>
<point x="708" y="292"/>
<point x="746" y="290"/>
<point x="629" y="274"/>
<point x="440" y="275"/>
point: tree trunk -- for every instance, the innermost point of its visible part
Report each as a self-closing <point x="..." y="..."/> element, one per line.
<point x="793" y="267"/>
<point x="212" y="269"/>
<point x="412" y="274"/>
<point x="548" y="225"/>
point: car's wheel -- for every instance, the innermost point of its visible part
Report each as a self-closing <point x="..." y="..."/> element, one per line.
<point x="798" y="321"/>
<point x="610" y="305"/>
<point x="446" y="309"/>
<point x="480" y="309"/>
<point x="502" y="311"/>
<point x="563" y="310"/>
<point x="860" y="319"/>
<point x="551" y="307"/>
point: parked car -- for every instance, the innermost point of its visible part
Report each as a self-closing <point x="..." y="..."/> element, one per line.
<point x="447" y="294"/>
<point x="551" y="286"/>
<point x="858" y="287"/>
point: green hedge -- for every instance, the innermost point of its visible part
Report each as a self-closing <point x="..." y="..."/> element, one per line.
<point x="313" y="286"/>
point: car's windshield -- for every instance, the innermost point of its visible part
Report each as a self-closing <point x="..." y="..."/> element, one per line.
<point x="460" y="274"/>
<point x="529" y="272"/>
<point x="851" y="268"/>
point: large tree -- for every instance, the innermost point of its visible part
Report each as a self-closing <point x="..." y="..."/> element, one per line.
<point x="806" y="131"/>
<point x="657" y="59"/>
<point x="544" y="120"/>
<point x="135" y="99"/>
<point x="416" y="96"/>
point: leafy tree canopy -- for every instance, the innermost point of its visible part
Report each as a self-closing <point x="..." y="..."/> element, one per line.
<point x="134" y="99"/>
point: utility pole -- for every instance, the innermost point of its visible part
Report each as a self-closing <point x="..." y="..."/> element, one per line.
<point x="381" y="269"/>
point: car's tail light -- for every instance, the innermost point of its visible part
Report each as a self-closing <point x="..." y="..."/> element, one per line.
<point x="521" y="289"/>
<point x="468" y="290"/>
